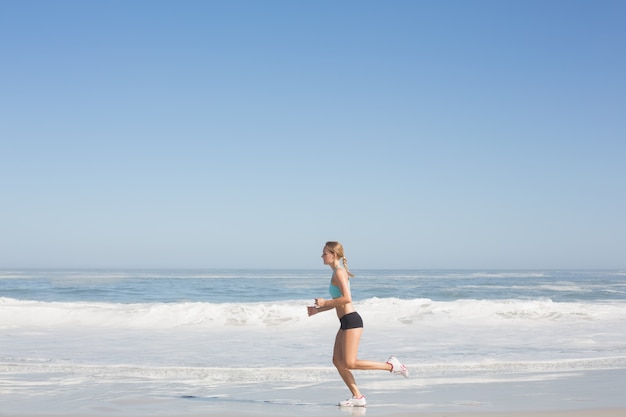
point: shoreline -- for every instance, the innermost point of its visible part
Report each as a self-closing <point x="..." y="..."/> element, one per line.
<point x="597" y="393"/>
<point x="592" y="412"/>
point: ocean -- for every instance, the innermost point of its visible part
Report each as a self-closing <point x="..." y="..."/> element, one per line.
<point x="148" y="342"/>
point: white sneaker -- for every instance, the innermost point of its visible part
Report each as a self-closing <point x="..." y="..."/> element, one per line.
<point x="397" y="367"/>
<point x="354" y="402"/>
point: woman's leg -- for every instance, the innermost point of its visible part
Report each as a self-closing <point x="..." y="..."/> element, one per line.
<point x="339" y="360"/>
<point x="345" y="358"/>
<point x="351" y="342"/>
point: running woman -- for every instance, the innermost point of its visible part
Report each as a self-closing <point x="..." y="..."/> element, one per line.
<point x="351" y="326"/>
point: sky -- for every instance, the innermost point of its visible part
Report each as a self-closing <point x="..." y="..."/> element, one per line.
<point x="245" y="134"/>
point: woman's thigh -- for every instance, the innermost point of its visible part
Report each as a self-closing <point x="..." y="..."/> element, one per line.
<point x="347" y="345"/>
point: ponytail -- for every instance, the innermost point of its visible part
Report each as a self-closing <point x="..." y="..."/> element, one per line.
<point x="345" y="265"/>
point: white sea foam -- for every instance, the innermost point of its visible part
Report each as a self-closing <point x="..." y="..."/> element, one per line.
<point x="254" y="375"/>
<point x="422" y="331"/>
<point x="24" y="314"/>
<point x="380" y="312"/>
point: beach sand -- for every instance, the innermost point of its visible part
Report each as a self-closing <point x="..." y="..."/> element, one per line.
<point x="346" y="413"/>
<point x="597" y="393"/>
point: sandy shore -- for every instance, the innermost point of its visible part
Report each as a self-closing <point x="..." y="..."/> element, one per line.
<point x="365" y="412"/>
<point x="580" y="394"/>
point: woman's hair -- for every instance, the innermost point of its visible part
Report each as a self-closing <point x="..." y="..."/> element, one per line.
<point x="336" y="248"/>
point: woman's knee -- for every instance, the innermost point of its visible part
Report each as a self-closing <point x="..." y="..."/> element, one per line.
<point x="350" y="364"/>
<point x="344" y="364"/>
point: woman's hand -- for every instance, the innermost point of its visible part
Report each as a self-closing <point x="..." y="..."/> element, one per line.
<point x="320" y="302"/>
<point x="320" y="305"/>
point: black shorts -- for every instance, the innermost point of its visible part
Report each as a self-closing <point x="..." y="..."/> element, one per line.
<point x="351" y="321"/>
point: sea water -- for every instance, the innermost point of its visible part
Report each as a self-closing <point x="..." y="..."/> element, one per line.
<point x="112" y="340"/>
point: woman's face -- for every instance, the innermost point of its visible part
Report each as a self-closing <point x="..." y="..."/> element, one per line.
<point x="327" y="256"/>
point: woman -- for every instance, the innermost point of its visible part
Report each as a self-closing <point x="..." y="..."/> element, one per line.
<point x="349" y="335"/>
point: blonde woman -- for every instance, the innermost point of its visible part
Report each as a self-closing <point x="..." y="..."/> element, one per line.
<point x="349" y="334"/>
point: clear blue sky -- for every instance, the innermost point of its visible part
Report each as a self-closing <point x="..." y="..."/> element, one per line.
<point x="243" y="134"/>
